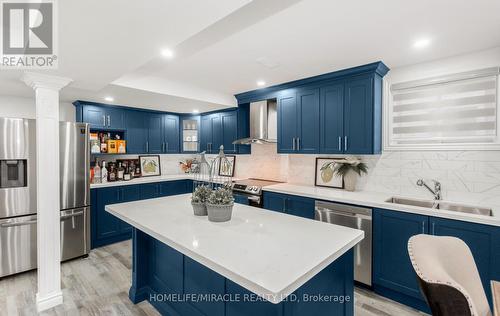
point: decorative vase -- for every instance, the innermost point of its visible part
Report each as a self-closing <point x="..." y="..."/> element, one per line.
<point x="219" y="213"/>
<point x="350" y="179"/>
<point x="200" y="209"/>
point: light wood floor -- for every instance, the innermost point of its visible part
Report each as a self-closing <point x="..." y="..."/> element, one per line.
<point x="99" y="284"/>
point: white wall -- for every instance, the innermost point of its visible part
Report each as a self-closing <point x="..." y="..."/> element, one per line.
<point x="12" y="106"/>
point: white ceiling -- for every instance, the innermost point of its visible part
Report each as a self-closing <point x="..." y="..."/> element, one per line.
<point x="221" y="46"/>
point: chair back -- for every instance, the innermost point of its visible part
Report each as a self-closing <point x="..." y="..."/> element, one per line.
<point x="448" y="276"/>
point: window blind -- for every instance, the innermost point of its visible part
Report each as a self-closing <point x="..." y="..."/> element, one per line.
<point x="458" y="109"/>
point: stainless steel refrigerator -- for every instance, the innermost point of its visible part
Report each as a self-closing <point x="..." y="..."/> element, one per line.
<point x="18" y="212"/>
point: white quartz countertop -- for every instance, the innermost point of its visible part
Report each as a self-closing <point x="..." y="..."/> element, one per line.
<point x="142" y="180"/>
<point x="269" y="253"/>
<point x="378" y="200"/>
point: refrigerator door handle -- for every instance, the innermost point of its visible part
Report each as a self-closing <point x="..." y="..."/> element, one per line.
<point x="71" y="215"/>
<point x="5" y="225"/>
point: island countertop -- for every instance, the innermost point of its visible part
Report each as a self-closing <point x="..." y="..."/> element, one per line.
<point x="269" y="253"/>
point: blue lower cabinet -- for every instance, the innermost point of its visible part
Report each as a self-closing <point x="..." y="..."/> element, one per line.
<point x="106" y="228"/>
<point x="483" y="241"/>
<point x="290" y="204"/>
<point x="175" y="187"/>
<point x="393" y="274"/>
<point x="150" y="191"/>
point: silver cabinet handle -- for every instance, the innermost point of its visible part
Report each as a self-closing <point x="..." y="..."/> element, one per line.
<point x="166" y="147"/>
<point x="340" y="143"/>
<point x="147" y="147"/>
<point x="294" y="146"/>
<point x="433" y="232"/>
<point x="163" y="147"/>
<point x="298" y="143"/>
<point x="345" y="143"/>
<point x="109" y="121"/>
<point x="423" y="227"/>
<point x="234" y="147"/>
<point x="104" y="120"/>
<point x="72" y="215"/>
<point x="18" y="224"/>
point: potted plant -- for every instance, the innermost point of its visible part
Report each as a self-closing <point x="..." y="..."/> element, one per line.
<point x="199" y="200"/>
<point x="349" y="169"/>
<point x="220" y="204"/>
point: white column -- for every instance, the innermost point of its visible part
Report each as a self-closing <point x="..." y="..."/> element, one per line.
<point x="47" y="174"/>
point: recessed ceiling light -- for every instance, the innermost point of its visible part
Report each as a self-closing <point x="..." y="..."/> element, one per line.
<point x="167" y="53"/>
<point x="109" y="99"/>
<point x="196" y="111"/>
<point x="261" y="83"/>
<point x="422" y="43"/>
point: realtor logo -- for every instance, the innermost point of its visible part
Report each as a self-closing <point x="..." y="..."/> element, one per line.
<point x="28" y="30"/>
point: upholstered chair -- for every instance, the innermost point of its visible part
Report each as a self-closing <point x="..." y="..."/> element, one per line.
<point x="448" y="276"/>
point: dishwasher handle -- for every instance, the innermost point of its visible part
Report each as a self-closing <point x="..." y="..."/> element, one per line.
<point x="343" y="210"/>
<point x="342" y="213"/>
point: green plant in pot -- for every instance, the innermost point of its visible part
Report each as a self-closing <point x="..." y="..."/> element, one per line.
<point x="199" y="199"/>
<point x="350" y="169"/>
<point x="220" y="204"/>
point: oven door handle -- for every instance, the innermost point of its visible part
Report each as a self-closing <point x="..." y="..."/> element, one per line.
<point x="254" y="198"/>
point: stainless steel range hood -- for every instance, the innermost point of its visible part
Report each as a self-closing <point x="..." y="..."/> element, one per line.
<point x="263" y="123"/>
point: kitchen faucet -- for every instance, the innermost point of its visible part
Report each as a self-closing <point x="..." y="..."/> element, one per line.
<point x="437" y="188"/>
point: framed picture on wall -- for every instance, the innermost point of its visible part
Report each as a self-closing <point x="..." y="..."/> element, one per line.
<point x="226" y="168"/>
<point x="325" y="175"/>
<point x="150" y="165"/>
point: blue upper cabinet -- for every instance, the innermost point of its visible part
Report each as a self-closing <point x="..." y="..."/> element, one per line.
<point x="358" y="116"/>
<point x="332" y="119"/>
<point x="154" y="124"/>
<point x="287" y="123"/>
<point x="218" y="129"/>
<point x="229" y="121"/>
<point x="171" y="130"/>
<point x="103" y="118"/>
<point x="334" y="113"/>
<point x="308" y="115"/>
<point x="137" y="134"/>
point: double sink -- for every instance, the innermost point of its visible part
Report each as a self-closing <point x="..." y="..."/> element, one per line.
<point x="442" y="205"/>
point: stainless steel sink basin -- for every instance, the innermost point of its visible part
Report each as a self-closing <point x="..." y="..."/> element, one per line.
<point x="442" y="205"/>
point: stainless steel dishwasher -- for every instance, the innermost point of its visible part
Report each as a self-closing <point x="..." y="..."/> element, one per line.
<point x="354" y="217"/>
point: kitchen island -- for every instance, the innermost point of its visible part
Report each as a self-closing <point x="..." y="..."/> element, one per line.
<point x="259" y="263"/>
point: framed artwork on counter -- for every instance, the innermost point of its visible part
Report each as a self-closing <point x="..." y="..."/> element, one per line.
<point x="150" y="165"/>
<point x="325" y="174"/>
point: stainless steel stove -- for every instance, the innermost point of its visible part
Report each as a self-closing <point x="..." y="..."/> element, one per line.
<point x="249" y="191"/>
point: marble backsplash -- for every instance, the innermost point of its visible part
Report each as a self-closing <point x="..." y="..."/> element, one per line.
<point x="472" y="176"/>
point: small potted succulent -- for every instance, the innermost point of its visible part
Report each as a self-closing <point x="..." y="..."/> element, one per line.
<point x="199" y="200"/>
<point x="220" y="204"/>
<point x="350" y="169"/>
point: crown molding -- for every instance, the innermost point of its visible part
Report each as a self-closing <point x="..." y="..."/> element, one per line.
<point x="38" y="80"/>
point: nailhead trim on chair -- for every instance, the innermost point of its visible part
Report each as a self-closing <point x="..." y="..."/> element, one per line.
<point x="454" y="285"/>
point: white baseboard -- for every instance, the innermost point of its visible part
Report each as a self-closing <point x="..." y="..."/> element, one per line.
<point x="48" y="301"/>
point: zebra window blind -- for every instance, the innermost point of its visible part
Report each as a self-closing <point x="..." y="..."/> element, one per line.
<point x="456" y="109"/>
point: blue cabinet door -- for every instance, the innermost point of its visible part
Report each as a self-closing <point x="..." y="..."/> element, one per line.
<point x="358" y="116"/>
<point x="274" y="201"/>
<point x="149" y="191"/>
<point x="128" y="193"/>
<point x="107" y="225"/>
<point x="299" y="206"/>
<point x="229" y="121"/>
<point x="154" y="123"/>
<point x="205" y="133"/>
<point x="172" y="134"/>
<point x="115" y="118"/>
<point x="94" y="115"/>
<point x="392" y="266"/>
<point x="332" y="119"/>
<point x="136" y="134"/>
<point x="287" y="123"/>
<point x="483" y="241"/>
<point x="174" y="188"/>
<point x="217" y="132"/>
<point x="308" y="121"/>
